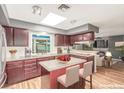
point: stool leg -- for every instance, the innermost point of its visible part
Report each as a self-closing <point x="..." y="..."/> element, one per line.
<point x="83" y="83"/>
<point x="90" y="81"/>
<point x="58" y="85"/>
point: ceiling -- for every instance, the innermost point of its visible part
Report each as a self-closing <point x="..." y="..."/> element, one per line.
<point x="103" y="16"/>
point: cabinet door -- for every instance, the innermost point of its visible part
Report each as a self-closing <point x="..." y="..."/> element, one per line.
<point x="15" y="72"/>
<point x="79" y="38"/>
<point x="72" y="39"/>
<point x="59" y="40"/>
<point x="88" y="36"/>
<point x="9" y="35"/>
<point x="30" y="68"/>
<point x="66" y="40"/>
<point x="20" y="37"/>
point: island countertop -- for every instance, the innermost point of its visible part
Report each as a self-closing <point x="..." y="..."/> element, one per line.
<point x="52" y="65"/>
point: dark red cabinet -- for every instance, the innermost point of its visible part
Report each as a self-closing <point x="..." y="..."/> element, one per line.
<point x="25" y="69"/>
<point x="62" y="40"/>
<point x="15" y="71"/>
<point x="88" y="36"/>
<point x="9" y="35"/>
<point x="16" y="36"/>
<point x="81" y="37"/>
<point x="30" y="68"/>
<point x="66" y="40"/>
<point x="72" y="39"/>
<point x="59" y="40"/>
<point x="78" y="38"/>
<point x="20" y="37"/>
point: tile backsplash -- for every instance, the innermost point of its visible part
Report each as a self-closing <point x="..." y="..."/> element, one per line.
<point x="20" y="51"/>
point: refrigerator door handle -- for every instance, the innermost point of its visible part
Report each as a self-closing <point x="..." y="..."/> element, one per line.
<point x="5" y="77"/>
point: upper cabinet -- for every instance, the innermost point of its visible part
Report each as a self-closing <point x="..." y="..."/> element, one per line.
<point x="16" y="36"/>
<point x="72" y="39"/>
<point x="9" y="36"/>
<point x="20" y="37"/>
<point x="88" y="36"/>
<point x="62" y="40"/>
<point x="66" y="40"/>
<point x="78" y="37"/>
<point x="59" y="40"/>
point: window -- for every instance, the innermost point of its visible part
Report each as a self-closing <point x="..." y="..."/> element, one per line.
<point x="40" y="43"/>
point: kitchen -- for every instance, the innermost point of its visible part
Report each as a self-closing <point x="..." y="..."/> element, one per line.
<point x="42" y="53"/>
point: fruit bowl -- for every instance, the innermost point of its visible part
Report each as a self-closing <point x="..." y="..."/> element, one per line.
<point x="63" y="59"/>
<point x="64" y="62"/>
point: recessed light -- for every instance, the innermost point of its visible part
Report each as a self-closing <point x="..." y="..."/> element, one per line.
<point x="36" y="9"/>
<point x="52" y="19"/>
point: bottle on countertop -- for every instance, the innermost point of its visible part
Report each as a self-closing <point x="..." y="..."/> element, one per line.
<point x="59" y="50"/>
<point x="68" y="50"/>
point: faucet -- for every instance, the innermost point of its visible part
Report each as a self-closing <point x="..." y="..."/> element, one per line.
<point x="27" y="52"/>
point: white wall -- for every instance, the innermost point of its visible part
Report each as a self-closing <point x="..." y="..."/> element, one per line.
<point x="104" y="32"/>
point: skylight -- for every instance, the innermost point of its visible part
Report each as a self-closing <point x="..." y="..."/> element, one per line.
<point x="52" y="19"/>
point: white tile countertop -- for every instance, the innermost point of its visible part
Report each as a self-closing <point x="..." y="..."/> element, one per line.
<point x="52" y="65"/>
<point x="43" y="55"/>
<point x="33" y="56"/>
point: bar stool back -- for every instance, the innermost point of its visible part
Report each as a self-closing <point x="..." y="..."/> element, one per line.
<point x="70" y="77"/>
<point x="86" y="71"/>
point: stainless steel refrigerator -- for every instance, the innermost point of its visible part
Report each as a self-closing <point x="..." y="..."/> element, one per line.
<point x="3" y="75"/>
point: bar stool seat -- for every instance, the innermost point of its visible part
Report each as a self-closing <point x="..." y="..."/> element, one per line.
<point x="71" y="77"/>
<point x="81" y="72"/>
<point x="62" y="80"/>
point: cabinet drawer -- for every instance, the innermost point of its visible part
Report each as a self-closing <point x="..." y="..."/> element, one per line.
<point x="14" y="64"/>
<point x="30" y="61"/>
<point x="30" y="69"/>
<point x="30" y="65"/>
<point x="30" y="74"/>
<point x="45" y="58"/>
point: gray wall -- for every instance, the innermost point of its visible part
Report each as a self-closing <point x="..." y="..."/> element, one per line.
<point x="112" y="40"/>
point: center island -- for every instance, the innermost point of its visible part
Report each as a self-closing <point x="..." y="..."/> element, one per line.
<point x="57" y="68"/>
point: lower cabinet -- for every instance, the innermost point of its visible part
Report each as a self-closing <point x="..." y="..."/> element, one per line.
<point x="25" y="69"/>
<point x="30" y="68"/>
<point x="15" y="71"/>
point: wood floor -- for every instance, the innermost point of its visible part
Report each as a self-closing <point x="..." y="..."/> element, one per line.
<point x="105" y="78"/>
